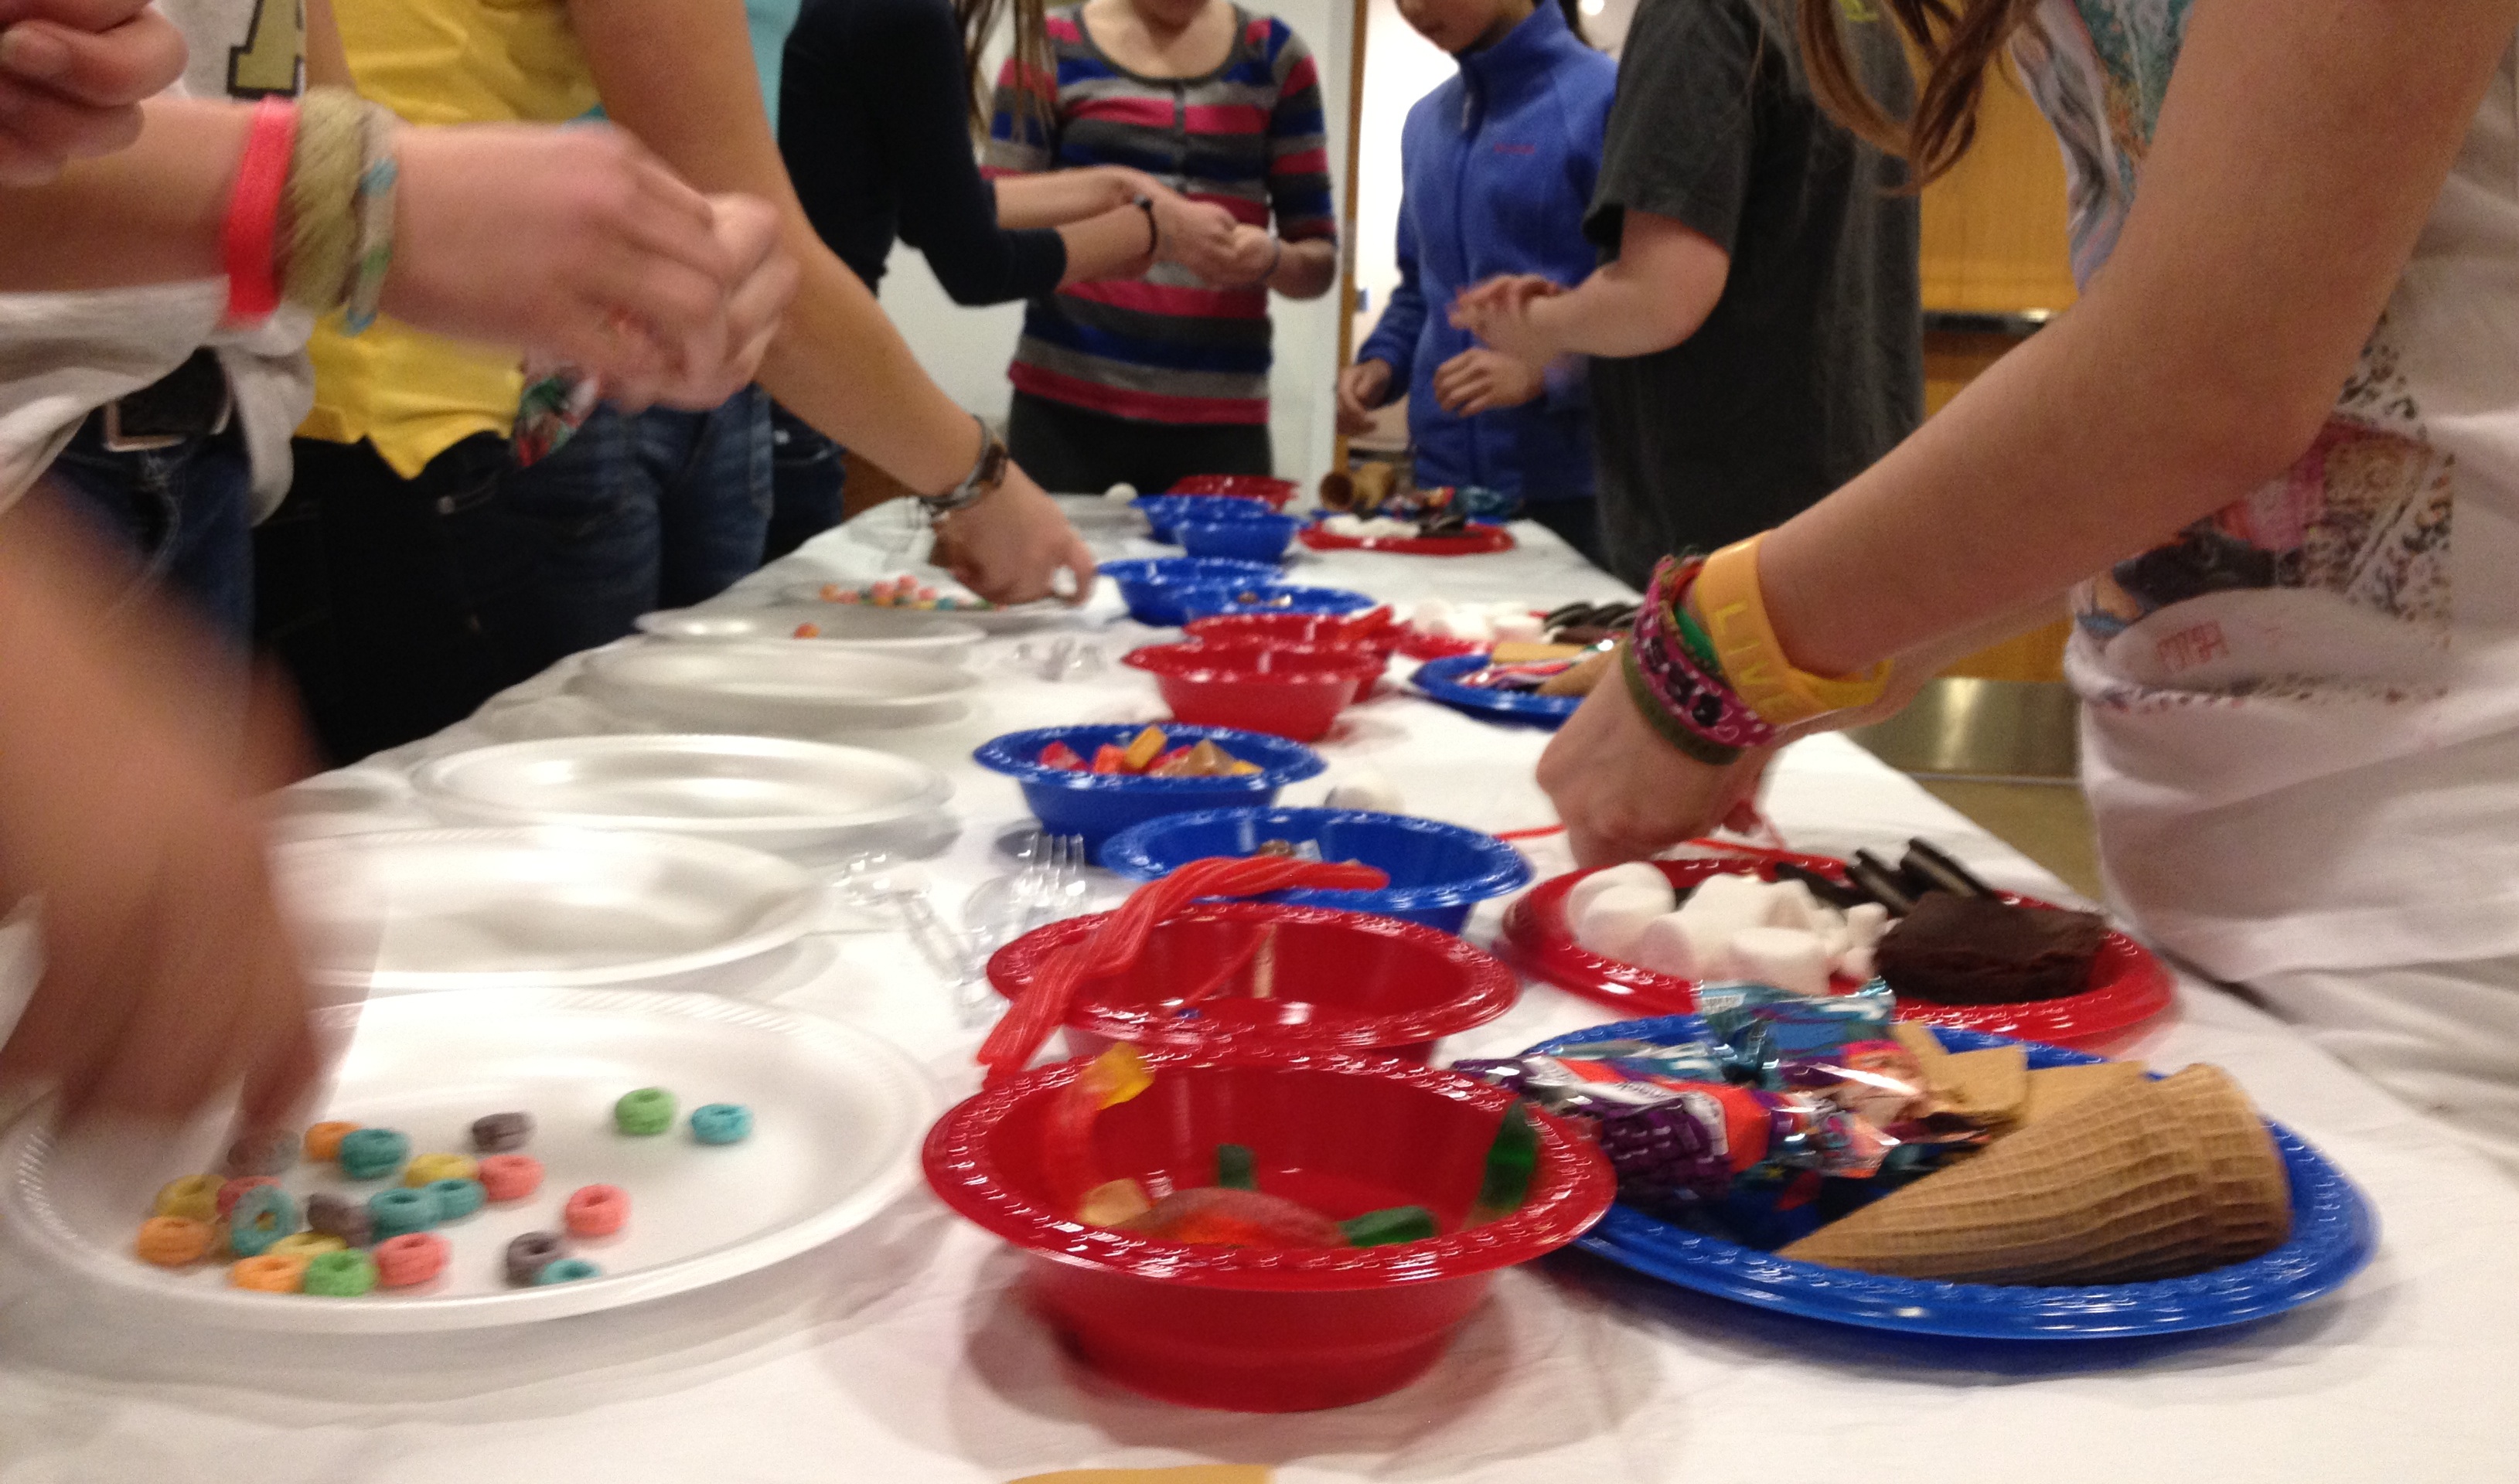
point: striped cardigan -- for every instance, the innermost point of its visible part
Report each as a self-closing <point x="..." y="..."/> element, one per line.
<point x="1169" y="347"/>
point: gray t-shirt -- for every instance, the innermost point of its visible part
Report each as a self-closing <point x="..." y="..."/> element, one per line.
<point x="1810" y="366"/>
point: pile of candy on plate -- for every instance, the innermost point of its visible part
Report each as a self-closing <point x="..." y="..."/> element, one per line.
<point x="1234" y="1211"/>
<point x="1819" y="1130"/>
<point x="1150" y="754"/>
<point x="901" y="593"/>
<point x="340" y="1245"/>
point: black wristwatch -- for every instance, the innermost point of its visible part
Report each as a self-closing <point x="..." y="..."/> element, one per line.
<point x="1154" y="228"/>
<point x="988" y="472"/>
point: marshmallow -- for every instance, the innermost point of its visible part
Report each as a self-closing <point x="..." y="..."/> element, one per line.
<point x="1857" y="964"/>
<point x="1787" y="958"/>
<point x="1122" y="491"/>
<point x="1726" y="904"/>
<point x="1641" y="874"/>
<point x="1520" y="626"/>
<point x="1430" y="612"/>
<point x="1865" y="922"/>
<point x="1615" y="920"/>
<point x="1365" y="789"/>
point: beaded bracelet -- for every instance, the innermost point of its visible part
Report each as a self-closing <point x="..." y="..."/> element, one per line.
<point x="1668" y="671"/>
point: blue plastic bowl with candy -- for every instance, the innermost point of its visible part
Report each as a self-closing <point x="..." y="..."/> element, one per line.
<point x="1216" y="598"/>
<point x="1069" y="799"/>
<point x="1153" y="587"/>
<point x="1437" y="871"/>
<point x="1249" y="538"/>
<point x="1163" y="512"/>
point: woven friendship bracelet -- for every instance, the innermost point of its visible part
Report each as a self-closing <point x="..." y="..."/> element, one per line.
<point x="1665" y="722"/>
<point x="1692" y="696"/>
<point x="377" y="173"/>
<point x="323" y="227"/>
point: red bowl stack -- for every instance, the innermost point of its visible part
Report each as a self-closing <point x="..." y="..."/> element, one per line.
<point x="1288" y="690"/>
<point x="1279" y="493"/>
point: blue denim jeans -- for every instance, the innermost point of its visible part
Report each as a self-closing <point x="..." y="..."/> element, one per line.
<point x="808" y="477"/>
<point x="183" y="514"/>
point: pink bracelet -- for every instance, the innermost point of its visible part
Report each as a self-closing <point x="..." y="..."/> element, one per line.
<point x="248" y="238"/>
<point x="1688" y="697"/>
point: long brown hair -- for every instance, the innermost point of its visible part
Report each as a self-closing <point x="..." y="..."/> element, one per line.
<point x="1959" y="40"/>
<point x="1030" y="54"/>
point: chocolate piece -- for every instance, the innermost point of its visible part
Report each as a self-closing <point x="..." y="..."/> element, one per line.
<point x="529" y="1254"/>
<point x="503" y="1133"/>
<point x="1878" y="882"/>
<point x="1835" y="893"/>
<point x="263" y="1154"/>
<point x="1975" y="950"/>
<point x="343" y="1217"/>
<point x="1923" y="858"/>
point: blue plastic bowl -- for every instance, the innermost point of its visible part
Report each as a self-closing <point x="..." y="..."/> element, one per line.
<point x="1251" y="538"/>
<point x="1437" y="871"/>
<point x="1153" y="586"/>
<point x="1099" y="806"/>
<point x="1163" y="512"/>
<point x="1238" y="597"/>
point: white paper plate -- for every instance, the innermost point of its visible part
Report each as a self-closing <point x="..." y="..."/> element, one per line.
<point x="510" y="908"/>
<point x="837" y="1116"/>
<point x="770" y="793"/>
<point x="906" y="633"/>
<point x="784" y="690"/>
<point x="994" y="620"/>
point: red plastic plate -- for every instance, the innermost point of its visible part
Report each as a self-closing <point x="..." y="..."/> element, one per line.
<point x="1477" y="541"/>
<point x="2129" y="987"/>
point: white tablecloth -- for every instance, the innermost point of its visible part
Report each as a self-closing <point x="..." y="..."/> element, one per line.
<point x="900" y="1352"/>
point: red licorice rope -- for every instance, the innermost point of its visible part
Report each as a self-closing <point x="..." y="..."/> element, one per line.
<point x="1122" y="936"/>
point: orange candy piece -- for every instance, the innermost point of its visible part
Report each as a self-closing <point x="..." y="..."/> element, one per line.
<point x="595" y="1210"/>
<point x="170" y="1241"/>
<point x="270" y="1273"/>
<point x="324" y="1140"/>
<point x="413" y="1257"/>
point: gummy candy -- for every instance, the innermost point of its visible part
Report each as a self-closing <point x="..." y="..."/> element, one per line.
<point x="1512" y="1158"/>
<point x="1235" y="1168"/>
<point x="1389" y="1226"/>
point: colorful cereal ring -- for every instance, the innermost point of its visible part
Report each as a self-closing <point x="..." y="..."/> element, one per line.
<point x="456" y="1199"/>
<point x="324" y="1141"/>
<point x="529" y="1254"/>
<point x="401" y="1212"/>
<point x="195" y="1197"/>
<point x="307" y="1245"/>
<point x="412" y="1258"/>
<point x="428" y="1169"/>
<point x="370" y="1153"/>
<point x="567" y="1270"/>
<point x="230" y="1190"/>
<point x="510" y="1177"/>
<point x="268" y="1273"/>
<point x="596" y="1210"/>
<point x="261" y="1216"/>
<point x="170" y="1241"/>
<point x="341" y="1275"/>
<point x="343" y="1217"/>
<point x="503" y="1133"/>
<point x="648" y="1111"/>
<point x="721" y="1122"/>
<point x="264" y="1154"/>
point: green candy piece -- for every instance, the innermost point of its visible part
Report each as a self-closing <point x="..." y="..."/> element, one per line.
<point x="648" y="1111"/>
<point x="1391" y="1224"/>
<point x="1235" y="1168"/>
<point x="341" y="1275"/>
<point x="1511" y="1161"/>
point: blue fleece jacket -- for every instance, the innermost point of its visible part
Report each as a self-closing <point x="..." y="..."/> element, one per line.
<point x="1496" y="172"/>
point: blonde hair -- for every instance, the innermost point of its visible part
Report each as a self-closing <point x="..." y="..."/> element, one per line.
<point x="1960" y="41"/>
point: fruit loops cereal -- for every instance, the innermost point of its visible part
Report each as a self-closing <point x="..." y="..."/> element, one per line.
<point x="230" y="1191"/>
<point x="428" y="1169"/>
<point x="170" y="1241"/>
<point x="596" y="1210"/>
<point x="648" y="1111"/>
<point x="412" y="1258"/>
<point x="343" y="1217"/>
<point x="308" y="1244"/>
<point x="399" y="1213"/>
<point x="529" y="1254"/>
<point x="510" y="1177"/>
<point x="324" y="1141"/>
<point x="372" y="1153"/>
<point x="340" y="1274"/>
<point x="261" y="1217"/>
<point x="269" y="1272"/>
<point x="195" y="1197"/>
<point x="266" y="1154"/>
<point x="721" y="1122"/>
<point x="503" y="1133"/>
<point x="567" y="1270"/>
<point x="456" y="1199"/>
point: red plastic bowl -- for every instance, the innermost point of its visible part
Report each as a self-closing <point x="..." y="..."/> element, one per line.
<point x="1343" y="981"/>
<point x="1280" y="628"/>
<point x="1288" y="690"/>
<point x="1477" y="541"/>
<point x="2129" y="987"/>
<point x="1253" y="1330"/>
<point x="1279" y="493"/>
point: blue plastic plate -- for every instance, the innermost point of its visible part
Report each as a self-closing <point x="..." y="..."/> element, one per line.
<point x="1440" y="679"/>
<point x="2332" y="1235"/>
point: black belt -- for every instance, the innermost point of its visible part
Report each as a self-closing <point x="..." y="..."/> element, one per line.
<point x="192" y="401"/>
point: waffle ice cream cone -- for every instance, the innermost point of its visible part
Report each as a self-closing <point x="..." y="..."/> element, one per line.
<point x="2134" y="1183"/>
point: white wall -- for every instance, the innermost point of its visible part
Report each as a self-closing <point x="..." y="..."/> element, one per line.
<point x="966" y="350"/>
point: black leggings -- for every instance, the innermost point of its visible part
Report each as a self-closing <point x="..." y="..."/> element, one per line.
<point x="1073" y="452"/>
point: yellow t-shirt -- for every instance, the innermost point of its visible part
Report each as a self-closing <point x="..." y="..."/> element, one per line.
<point x="411" y="393"/>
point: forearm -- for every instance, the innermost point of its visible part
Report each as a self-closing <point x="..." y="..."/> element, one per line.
<point x="148" y="214"/>
<point x="1617" y="312"/>
<point x="842" y="366"/>
<point x="1117" y="244"/>
<point x="1305" y="270"/>
<point x="1057" y="198"/>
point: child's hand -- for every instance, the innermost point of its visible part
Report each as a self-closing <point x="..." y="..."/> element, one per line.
<point x="1008" y="547"/>
<point x="1361" y="388"/>
<point x="72" y="75"/>
<point x="1481" y="380"/>
<point x="1498" y="313"/>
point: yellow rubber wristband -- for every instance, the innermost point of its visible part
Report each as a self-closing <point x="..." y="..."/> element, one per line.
<point x="1734" y="611"/>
